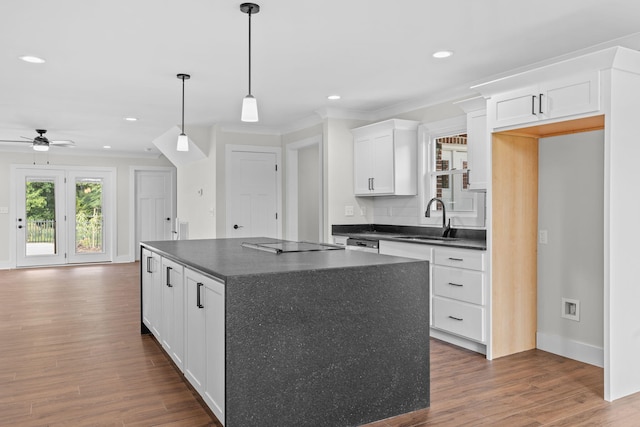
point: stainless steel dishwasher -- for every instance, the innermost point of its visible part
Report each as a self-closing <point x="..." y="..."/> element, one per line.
<point x="363" y="245"/>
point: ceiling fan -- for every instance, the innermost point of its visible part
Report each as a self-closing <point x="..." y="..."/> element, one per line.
<point x="41" y="142"/>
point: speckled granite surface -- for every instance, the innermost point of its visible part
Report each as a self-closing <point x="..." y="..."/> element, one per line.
<point x="337" y="338"/>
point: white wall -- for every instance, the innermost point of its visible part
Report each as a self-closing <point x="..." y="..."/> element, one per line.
<point x="570" y="209"/>
<point x="196" y="187"/>
<point x="122" y="165"/>
<point x="338" y="175"/>
<point x="308" y="193"/>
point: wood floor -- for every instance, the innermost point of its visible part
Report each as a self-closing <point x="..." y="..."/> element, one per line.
<point x="71" y="354"/>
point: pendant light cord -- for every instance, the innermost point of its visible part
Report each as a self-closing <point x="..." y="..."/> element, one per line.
<point x="182" y="104"/>
<point x="250" y="9"/>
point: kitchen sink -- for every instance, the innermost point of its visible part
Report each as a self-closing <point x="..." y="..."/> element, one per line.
<point x="427" y="238"/>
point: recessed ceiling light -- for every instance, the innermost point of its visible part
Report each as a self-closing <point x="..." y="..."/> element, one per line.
<point x="442" y="54"/>
<point x="32" y="59"/>
<point x="131" y="119"/>
<point x="106" y="147"/>
<point x="333" y="97"/>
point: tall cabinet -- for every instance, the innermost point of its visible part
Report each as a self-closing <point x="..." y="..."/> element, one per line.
<point x="599" y="90"/>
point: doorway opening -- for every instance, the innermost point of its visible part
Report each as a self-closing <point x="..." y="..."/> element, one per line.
<point x="305" y="219"/>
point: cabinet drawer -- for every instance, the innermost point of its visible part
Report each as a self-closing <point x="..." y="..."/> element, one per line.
<point x="463" y="285"/>
<point x="407" y="250"/>
<point x="459" y="318"/>
<point x="460" y="258"/>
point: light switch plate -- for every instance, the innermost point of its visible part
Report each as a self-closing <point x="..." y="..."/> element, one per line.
<point x="4" y="210"/>
<point x="348" y="211"/>
<point x="543" y="237"/>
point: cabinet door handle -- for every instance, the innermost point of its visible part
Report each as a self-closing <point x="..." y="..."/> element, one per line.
<point x="456" y="259"/>
<point x="456" y="318"/>
<point x="540" y="104"/>
<point x="533" y="104"/>
<point x="149" y="264"/>
<point x="456" y="284"/>
<point x="198" y="301"/>
<point x="373" y="187"/>
<point x="169" y="277"/>
<point x="369" y="184"/>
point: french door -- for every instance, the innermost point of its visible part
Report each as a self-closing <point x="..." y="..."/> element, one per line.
<point x="62" y="216"/>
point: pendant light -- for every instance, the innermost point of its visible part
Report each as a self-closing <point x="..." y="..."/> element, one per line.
<point x="249" y="103"/>
<point x="183" y="140"/>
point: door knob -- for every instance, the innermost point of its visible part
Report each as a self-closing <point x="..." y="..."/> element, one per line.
<point x="168" y="219"/>
<point x="236" y="226"/>
<point x="19" y="226"/>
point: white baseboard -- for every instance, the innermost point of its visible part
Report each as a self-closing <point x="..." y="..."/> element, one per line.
<point x="6" y="265"/>
<point x="571" y="349"/>
<point x="459" y="341"/>
<point x="123" y="258"/>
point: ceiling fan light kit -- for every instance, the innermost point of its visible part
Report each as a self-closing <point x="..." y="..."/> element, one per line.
<point x="183" y="140"/>
<point x="249" y="103"/>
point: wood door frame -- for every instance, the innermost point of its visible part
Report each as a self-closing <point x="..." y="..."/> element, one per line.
<point x="229" y="149"/>
<point x="134" y="250"/>
<point x="291" y="185"/>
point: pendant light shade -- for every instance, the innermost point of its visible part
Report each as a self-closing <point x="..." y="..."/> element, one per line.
<point x="249" y="103"/>
<point x="249" y="109"/>
<point x="183" y="140"/>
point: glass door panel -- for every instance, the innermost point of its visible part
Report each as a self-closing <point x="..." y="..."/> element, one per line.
<point x="88" y="213"/>
<point x="40" y="219"/>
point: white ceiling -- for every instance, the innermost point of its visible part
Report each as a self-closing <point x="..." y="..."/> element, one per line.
<point x="109" y="59"/>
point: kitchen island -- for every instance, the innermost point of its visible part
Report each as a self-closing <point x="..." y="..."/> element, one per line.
<point x="323" y="337"/>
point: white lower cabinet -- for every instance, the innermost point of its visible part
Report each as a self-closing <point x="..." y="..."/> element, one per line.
<point x="173" y="311"/>
<point x="459" y="318"/>
<point x="459" y="290"/>
<point x="204" y="364"/>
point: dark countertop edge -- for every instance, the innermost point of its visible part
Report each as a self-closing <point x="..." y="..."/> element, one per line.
<point x="196" y="267"/>
<point x="214" y="274"/>
<point x="466" y="238"/>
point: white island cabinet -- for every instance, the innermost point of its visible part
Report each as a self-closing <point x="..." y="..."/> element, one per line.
<point x="204" y="332"/>
<point x="173" y="310"/>
<point x="385" y="158"/>
<point x="151" y="292"/>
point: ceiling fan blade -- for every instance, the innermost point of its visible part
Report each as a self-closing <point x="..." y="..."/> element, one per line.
<point x="63" y="143"/>
<point x="17" y="140"/>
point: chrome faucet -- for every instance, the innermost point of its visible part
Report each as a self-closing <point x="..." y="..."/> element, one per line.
<point x="446" y="228"/>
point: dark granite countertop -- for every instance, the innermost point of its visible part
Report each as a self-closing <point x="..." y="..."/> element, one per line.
<point x="461" y="238"/>
<point x="224" y="258"/>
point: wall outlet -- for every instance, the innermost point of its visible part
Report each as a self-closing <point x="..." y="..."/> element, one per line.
<point x="571" y="309"/>
<point x="4" y="210"/>
<point x="543" y="237"/>
<point x="348" y="211"/>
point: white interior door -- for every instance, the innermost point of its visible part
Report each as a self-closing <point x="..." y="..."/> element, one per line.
<point x="252" y="194"/>
<point x="40" y="217"/>
<point x="154" y="206"/>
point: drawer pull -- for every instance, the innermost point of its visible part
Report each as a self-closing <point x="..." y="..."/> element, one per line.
<point x="455" y="318"/>
<point x="456" y="259"/>
<point x="456" y="284"/>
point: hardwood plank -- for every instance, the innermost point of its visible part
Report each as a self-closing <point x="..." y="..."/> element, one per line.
<point x="72" y="355"/>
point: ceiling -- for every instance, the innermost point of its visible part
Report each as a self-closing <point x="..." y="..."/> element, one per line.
<point x="107" y="60"/>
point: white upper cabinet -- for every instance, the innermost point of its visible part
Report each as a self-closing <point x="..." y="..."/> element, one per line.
<point x="573" y="95"/>
<point x="477" y="150"/>
<point x="385" y="158"/>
